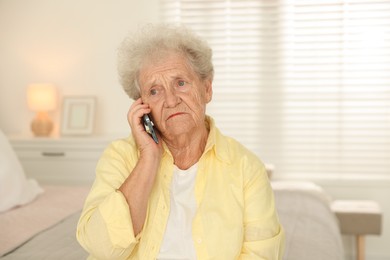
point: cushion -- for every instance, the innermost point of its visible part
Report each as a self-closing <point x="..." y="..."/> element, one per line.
<point x="15" y="188"/>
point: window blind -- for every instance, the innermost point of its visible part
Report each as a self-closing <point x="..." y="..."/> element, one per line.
<point x="304" y="84"/>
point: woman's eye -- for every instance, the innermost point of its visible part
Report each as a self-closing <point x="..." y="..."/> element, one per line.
<point x="153" y="92"/>
<point x="181" y="83"/>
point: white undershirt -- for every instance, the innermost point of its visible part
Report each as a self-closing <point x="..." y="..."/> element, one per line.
<point x="177" y="242"/>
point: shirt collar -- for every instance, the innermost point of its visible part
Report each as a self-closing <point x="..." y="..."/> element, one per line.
<point x="216" y="142"/>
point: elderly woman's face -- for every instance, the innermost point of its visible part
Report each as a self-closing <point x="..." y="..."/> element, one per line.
<point x="176" y="95"/>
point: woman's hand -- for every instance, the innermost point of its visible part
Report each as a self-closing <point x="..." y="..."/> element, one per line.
<point x="144" y="141"/>
<point x="138" y="185"/>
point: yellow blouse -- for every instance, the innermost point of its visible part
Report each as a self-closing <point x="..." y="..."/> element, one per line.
<point x="235" y="218"/>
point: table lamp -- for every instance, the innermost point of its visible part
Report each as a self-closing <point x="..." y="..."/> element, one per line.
<point x="41" y="98"/>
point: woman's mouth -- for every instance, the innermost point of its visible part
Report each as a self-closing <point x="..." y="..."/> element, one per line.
<point x="175" y="114"/>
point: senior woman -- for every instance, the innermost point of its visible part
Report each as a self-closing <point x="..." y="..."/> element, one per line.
<point x="195" y="194"/>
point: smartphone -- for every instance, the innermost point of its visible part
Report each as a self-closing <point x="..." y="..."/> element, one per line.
<point x="148" y="124"/>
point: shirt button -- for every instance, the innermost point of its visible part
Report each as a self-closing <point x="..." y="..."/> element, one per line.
<point x="199" y="240"/>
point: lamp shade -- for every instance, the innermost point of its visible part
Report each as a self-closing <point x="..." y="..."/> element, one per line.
<point x="41" y="97"/>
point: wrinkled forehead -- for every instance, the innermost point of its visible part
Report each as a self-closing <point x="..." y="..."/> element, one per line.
<point x="167" y="64"/>
<point x="161" y="56"/>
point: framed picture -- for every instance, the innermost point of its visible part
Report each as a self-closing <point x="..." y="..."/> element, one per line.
<point x="78" y="115"/>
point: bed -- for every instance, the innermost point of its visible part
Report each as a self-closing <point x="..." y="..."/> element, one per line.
<point x="45" y="228"/>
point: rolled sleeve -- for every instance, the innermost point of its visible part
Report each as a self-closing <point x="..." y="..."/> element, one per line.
<point x="264" y="236"/>
<point x="106" y="232"/>
<point x="270" y="248"/>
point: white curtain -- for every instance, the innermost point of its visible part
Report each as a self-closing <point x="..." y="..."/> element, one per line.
<point x="304" y="84"/>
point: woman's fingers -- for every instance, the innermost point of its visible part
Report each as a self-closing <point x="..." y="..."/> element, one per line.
<point x="136" y="111"/>
<point x="134" y="117"/>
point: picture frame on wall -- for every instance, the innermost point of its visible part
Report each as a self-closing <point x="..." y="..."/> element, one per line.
<point x="78" y="115"/>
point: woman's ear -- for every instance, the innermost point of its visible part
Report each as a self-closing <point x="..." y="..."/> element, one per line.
<point x="209" y="90"/>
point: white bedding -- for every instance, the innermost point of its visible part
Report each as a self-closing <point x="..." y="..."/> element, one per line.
<point x="15" y="188"/>
<point x="55" y="204"/>
<point x="57" y="242"/>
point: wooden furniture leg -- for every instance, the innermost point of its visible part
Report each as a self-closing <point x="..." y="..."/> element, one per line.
<point x="360" y="254"/>
<point x="358" y="218"/>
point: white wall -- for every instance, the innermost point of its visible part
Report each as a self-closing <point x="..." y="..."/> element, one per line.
<point x="71" y="44"/>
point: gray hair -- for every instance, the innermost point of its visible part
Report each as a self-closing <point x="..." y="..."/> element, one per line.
<point x="153" y="40"/>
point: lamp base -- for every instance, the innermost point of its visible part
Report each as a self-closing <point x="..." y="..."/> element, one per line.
<point x="42" y="124"/>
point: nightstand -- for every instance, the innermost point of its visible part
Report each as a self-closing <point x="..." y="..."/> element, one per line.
<point x="60" y="160"/>
<point x="358" y="218"/>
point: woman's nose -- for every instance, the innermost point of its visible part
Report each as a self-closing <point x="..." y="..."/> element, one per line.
<point x="171" y="98"/>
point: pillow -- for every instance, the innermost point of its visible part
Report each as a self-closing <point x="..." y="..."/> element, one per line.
<point x="15" y="189"/>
